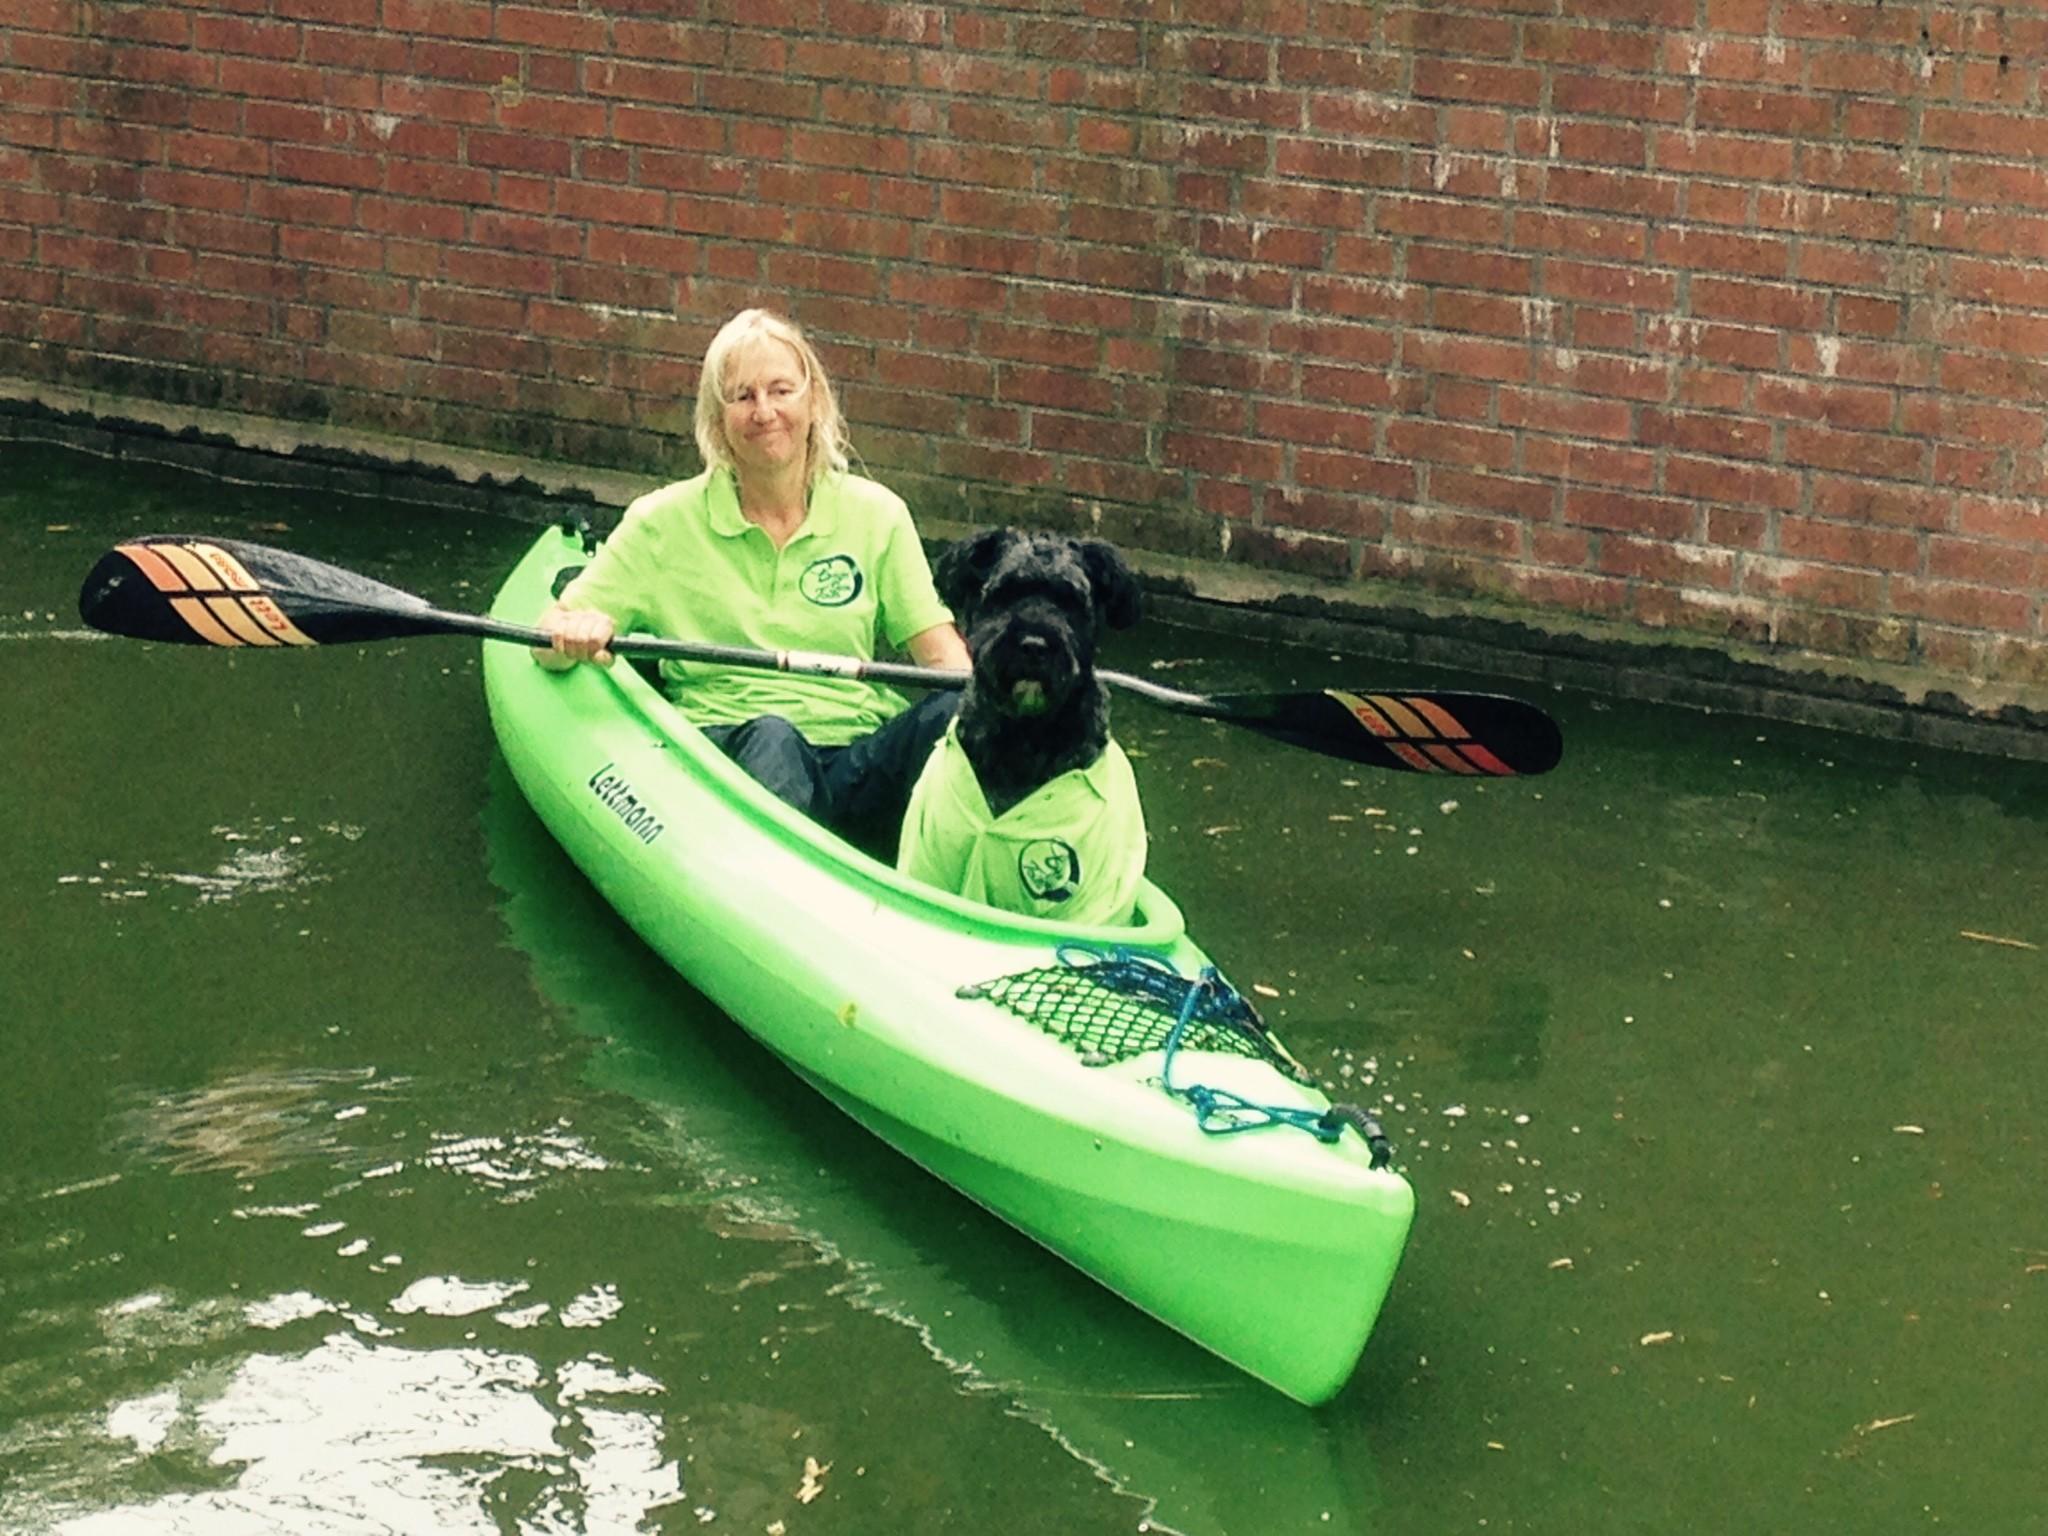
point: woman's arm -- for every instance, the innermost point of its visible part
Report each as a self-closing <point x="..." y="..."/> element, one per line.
<point x="939" y="646"/>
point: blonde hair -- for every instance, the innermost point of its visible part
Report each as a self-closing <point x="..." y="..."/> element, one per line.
<point x="826" y="450"/>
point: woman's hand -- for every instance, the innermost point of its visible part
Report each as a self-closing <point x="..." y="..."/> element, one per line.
<point x="578" y="634"/>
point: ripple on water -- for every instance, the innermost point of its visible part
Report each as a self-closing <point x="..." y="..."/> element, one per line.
<point x="266" y="859"/>
<point x="513" y="1164"/>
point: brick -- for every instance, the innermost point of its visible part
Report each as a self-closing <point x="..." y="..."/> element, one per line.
<point x="1529" y="501"/>
<point x="1461" y="80"/>
<point x="1673" y="564"/>
<point x="1346" y="299"/>
<point x="1238" y="372"/>
<point x="1436" y="443"/>
<point x="1582" y="235"/>
<point x="1604" y="95"/>
<point x="1615" y="191"/>
<point x="1462" y="400"/>
<point x="1854" y="407"/>
<point x="1625" y="378"/>
<point x="1035" y="344"/>
<point x="1280" y="549"/>
<point x="1606" y="48"/>
<point x="1466" y="356"/>
<point x="1436" y="528"/>
<point x="1651" y="516"/>
<point x="1566" y="280"/>
<point x="1827" y="213"/>
<point x="1489" y="314"/>
<point x="1748" y="486"/>
<point x="1355" y="473"/>
<point x="1237" y="458"/>
<point x="1786" y="113"/>
<point x="2013" y="522"/>
<point x="1865" y="452"/>
<point x="1601" y="330"/>
<point x="1802" y="581"/>
<point x="1312" y="512"/>
<point x="1590" y="463"/>
<point x="1848" y="544"/>
<point x="1566" y="415"/>
<point x="1442" y="219"/>
<point x="1731" y="617"/>
<point x="1971" y="607"/>
<point x="1570" y="590"/>
<point x="1371" y="389"/>
<point x="1978" y="469"/>
<point x="1340" y="69"/>
<point x="1316" y="160"/>
<point x="1976" y="562"/>
<point x="1322" y="428"/>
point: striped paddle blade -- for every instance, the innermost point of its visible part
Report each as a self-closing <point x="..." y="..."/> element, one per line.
<point x="1474" y="735"/>
<point x="192" y="590"/>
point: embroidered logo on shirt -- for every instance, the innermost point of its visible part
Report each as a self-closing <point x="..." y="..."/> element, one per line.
<point x="832" y="582"/>
<point x="1049" y="869"/>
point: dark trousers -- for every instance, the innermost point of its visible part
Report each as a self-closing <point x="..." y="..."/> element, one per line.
<point x="859" y="790"/>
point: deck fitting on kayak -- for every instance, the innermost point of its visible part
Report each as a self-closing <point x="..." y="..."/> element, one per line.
<point x="1113" y="1004"/>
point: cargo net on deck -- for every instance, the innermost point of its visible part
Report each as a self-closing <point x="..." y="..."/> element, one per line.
<point x="1110" y="1005"/>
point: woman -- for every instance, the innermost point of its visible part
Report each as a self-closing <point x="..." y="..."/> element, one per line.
<point x="777" y="546"/>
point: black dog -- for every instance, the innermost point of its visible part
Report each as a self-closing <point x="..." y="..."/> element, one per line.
<point x="1027" y="805"/>
<point x="1031" y="606"/>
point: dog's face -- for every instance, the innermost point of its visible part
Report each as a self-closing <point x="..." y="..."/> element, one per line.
<point x="1031" y="607"/>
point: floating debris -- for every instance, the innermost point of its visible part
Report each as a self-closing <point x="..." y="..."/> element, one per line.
<point x="1664" y="1337"/>
<point x="814" y="1480"/>
<point x="1992" y="938"/>
<point x="1876" y="1424"/>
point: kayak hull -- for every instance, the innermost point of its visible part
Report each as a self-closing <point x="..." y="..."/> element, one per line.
<point x="1270" y="1248"/>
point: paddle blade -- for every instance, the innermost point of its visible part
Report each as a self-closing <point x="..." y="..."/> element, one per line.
<point x="1472" y="735"/>
<point x="200" y="591"/>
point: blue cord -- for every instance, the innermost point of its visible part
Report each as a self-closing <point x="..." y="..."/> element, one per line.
<point x="1218" y="1111"/>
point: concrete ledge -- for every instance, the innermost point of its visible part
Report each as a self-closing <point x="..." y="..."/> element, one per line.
<point x="1370" y="619"/>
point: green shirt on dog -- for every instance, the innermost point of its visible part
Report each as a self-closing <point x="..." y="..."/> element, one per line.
<point x="1073" y="849"/>
<point x="684" y="563"/>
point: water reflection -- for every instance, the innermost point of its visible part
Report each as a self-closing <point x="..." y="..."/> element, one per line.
<point x="252" y="1122"/>
<point x="359" y="1436"/>
<point x="364" y="1431"/>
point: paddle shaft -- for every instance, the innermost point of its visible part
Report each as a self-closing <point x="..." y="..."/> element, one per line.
<point x="223" y="592"/>
<point x="807" y="663"/>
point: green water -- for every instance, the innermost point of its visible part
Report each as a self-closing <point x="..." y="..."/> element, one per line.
<point x="364" y="1175"/>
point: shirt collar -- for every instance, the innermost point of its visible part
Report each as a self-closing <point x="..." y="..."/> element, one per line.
<point x="821" y="518"/>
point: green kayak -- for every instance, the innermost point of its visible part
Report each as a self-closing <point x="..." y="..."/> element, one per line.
<point x="1098" y="1088"/>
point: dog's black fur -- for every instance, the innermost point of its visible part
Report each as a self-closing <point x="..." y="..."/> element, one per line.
<point x="1031" y="607"/>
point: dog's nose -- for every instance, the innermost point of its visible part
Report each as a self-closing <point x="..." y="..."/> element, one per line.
<point x="1033" y="642"/>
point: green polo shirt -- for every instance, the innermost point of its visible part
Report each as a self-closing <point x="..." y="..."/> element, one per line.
<point x="1073" y="849"/>
<point x="683" y="562"/>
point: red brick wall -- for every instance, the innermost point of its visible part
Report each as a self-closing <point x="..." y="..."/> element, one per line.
<point x="1717" y="315"/>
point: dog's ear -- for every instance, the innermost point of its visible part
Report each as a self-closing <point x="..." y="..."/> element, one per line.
<point x="1116" y="589"/>
<point x="963" y="567"/>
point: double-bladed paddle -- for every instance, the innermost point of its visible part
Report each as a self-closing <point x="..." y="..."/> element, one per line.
<point x="204" y="591"/>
